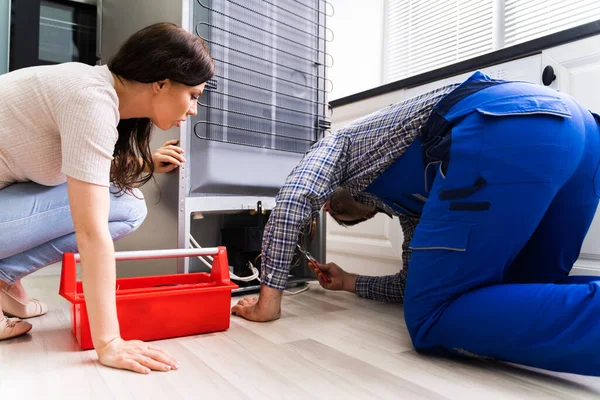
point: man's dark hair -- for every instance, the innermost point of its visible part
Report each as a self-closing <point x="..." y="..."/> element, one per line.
<point x="348" y="223"/>
<point x="341" y="203"/>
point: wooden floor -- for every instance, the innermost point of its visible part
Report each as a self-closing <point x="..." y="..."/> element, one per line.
<point x="327" y="345"/>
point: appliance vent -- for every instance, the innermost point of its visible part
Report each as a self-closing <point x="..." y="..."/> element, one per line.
<point x="270" y="85"/>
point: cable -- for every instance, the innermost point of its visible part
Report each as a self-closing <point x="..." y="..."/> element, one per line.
<point x="289" y="292"/>
<point x="195" y="244"/>
<point x="255" y="272"/>
<point x="209" y="265"/>
<point x="304" y="289"/>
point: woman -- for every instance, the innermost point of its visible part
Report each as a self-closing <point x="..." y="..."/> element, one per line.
<point x="74" y="143"/>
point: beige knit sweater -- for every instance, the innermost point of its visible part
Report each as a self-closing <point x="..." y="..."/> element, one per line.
<point x="57" y="121"/>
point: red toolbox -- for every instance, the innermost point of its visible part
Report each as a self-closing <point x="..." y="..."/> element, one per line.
<point x="158" y="307"/>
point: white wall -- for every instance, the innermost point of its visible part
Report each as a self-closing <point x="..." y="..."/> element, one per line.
<point x="357" y="46"/>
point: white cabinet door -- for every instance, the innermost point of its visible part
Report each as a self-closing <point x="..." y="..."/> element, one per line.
<point x="579" y="75"/>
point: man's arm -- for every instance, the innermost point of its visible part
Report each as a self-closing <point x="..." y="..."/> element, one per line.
<point x="305" y="191"/>
<point x="390" y="288"/>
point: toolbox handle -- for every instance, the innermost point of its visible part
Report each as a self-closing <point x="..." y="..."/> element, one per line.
<point x="68" y="275"/>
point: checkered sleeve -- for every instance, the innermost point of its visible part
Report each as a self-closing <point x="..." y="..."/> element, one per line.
<point x="390" y="288"/>
<point x="352" y="156"/>
<point x="303" y="194"/>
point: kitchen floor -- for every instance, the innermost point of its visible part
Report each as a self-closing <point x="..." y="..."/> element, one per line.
<point x="327" y="345"/>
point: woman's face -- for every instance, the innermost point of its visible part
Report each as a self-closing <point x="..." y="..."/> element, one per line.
<point x="172" y="102"/>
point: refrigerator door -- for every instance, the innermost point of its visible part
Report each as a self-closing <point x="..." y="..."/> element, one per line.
<point x="265" y="106"/>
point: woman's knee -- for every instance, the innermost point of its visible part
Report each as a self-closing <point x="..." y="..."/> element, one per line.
<point x="138" y="208"/>
<point x="129" y="208"/>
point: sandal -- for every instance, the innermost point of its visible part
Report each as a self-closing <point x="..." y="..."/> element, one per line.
<point x="14" y="308"/>
<point x="11" y="328"/>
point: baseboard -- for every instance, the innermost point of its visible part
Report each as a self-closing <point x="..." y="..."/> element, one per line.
<point x="586" y="267"/>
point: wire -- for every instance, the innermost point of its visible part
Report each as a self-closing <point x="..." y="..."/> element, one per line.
<point x="288" y="292"/>
<point x="255" y="272"/>
<point x="195" y="244"/>
<point x="209" y="265"/>
<point x="304" y="289"/>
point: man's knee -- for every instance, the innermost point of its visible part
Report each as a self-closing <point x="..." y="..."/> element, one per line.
<point x="414" y="320"/>
<point x="420" y="318"/>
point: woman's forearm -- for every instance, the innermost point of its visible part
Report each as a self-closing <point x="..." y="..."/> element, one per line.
<point x="99" y="281"/>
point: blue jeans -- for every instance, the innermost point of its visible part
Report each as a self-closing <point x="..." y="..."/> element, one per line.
<point x="36" y="227"/>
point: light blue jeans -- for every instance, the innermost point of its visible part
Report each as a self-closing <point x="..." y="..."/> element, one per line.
<point x="36" y="226"/>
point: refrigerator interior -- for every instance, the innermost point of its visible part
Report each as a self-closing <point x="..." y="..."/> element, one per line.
<point x="241" y="233"/>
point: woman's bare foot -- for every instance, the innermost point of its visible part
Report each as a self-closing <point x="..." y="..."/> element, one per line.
<point x="17" y="291"/>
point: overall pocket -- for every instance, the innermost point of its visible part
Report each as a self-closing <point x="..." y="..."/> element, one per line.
<point x="441" y="235"/>
<point x="523" y="146"/>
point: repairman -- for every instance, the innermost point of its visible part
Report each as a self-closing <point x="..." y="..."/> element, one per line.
<point x="495" y="184"/>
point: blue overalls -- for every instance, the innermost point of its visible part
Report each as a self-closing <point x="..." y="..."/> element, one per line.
<point x="509" y="172"/>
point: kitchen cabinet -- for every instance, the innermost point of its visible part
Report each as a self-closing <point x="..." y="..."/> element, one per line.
<point x="577" y="69"/>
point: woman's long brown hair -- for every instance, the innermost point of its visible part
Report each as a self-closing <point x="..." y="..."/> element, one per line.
<point x="157" y="52"/>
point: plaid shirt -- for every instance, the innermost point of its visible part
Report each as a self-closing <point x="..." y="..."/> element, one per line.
<point x="352" y="157"/>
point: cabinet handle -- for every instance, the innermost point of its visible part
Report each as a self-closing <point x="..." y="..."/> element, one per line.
<point x="548" y="75"/>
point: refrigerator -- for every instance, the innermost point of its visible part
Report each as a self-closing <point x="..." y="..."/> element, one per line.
<point x="263" y="109"/>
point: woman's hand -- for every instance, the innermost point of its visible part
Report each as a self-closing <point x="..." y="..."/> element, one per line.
<point x="340" y="279"/>
<point x="168" y="157"/>
<point x="136" y="356"/>
<point x="90" y="205"/>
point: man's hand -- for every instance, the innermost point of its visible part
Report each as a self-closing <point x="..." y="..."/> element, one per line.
<point x="168" y="157"/>
<point x="340" y="279"/>
<point x="263" y="309"/>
